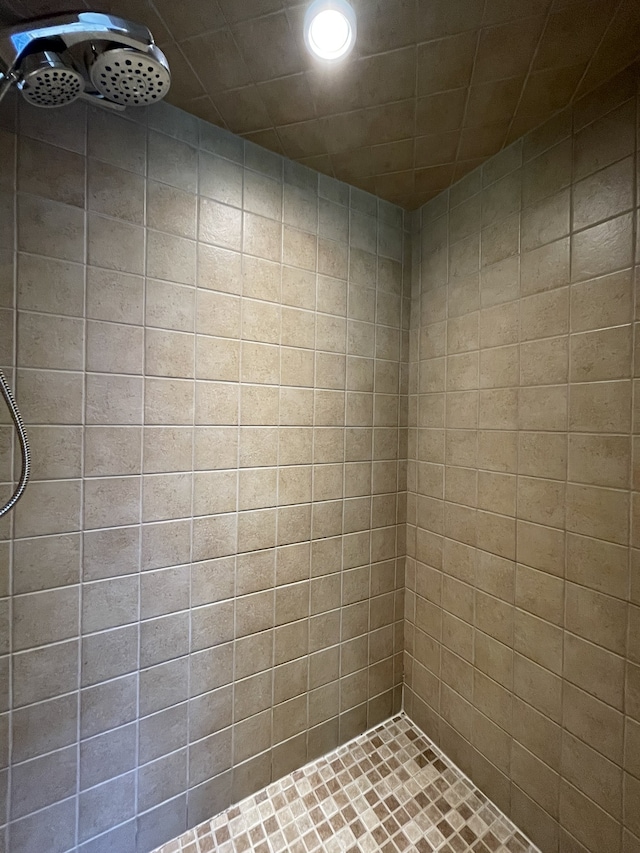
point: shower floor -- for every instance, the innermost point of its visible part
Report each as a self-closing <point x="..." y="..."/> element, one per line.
<point x="388" y="790"/>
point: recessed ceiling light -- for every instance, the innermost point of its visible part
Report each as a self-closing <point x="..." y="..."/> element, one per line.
<point x="330" y="29"/>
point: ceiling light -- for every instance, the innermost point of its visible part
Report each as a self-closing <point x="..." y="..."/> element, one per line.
<point x="330" y="29"/>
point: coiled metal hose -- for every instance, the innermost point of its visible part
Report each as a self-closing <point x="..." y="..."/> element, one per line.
<point x="24" y="445"/>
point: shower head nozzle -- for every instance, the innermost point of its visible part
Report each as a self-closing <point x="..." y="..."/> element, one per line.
<point x="131" y="78"/>
<point x="98" y="57"/>
<point x="46" y="81"/>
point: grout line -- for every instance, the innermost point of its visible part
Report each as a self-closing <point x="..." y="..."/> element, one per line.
<point x="82" y="479"/>
<point x="585" y="73"/>
<point x="530" y="69"/>
<point x="12" y="463"/>
<point x="456" y="159"/>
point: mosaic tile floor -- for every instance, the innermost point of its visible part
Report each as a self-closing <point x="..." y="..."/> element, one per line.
<point x="389" y="790"/>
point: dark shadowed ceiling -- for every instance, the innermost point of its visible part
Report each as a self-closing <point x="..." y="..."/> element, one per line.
<point x="433" y="87"/>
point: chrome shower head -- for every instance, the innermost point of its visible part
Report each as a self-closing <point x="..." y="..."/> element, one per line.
<point x="88" y="55"/>
<point x="126" y="76"/>
<point x="46" y="81"/>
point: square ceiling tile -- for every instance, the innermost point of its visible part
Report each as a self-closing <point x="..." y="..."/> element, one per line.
<point x="482" y="142"/>
<point x="357" y="163"/>
<point x="506" y="50"/>
<point x="268" y="47"/>
<point x="446" y="63"/>
<point x="287" y="99"/>
<point x="395" y="186"/>
<point x="242" y="110"/>
<point x="549" y="90"/>
<point x="569" y="39"/>
<point x="392" y="157"/>
<point x="439" y="18"/>
<point x="619" y="47"/>
<point x="384" y="25"/>
<point x="437" y="148"/>
<point x="303" y="139"/>
<point x="203" y="16"/>
<point x="216" y="61"/>
<point x="502" y="11"/>
<point x="441" y="112"/>
<point x="434" y="178"/>
<point x="247" y="9"/>
<point x="493" y="102"/>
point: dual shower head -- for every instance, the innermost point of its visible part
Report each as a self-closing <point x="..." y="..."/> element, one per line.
<point x="88" y="55"/>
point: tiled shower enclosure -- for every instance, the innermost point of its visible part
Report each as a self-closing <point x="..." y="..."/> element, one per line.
<point x="250" y="390"/>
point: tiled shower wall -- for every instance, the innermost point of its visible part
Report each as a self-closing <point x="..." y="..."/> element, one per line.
<point x="523" y="574"/>
<point x="206" y="570"/>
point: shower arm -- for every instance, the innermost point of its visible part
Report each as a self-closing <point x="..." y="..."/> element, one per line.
<point x="5" y="391"/>
<point x="71" y="29"/>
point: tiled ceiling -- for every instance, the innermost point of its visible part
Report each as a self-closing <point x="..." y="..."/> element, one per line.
<point x="432" y="89"/>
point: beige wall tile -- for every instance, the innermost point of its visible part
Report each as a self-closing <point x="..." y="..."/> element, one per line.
<point x="600" y="407"/>
<point x="462" y="332"/>
<point x="171" y="258"/>
<point x="546" y="221"/>
<point x="495" y="575"/>
<point x="602" y="249"/>
<point x="542" y="454"/>
<point x="594" y="722"/>
<point x="597" y="617"/>
<point x="501" y="240"/>
<point x="543" y="408"/>
<point x="544" y="362"/>
<point x="599" y="460"/>
<point x="500" y="282"/>
<point x="537" y="733"/>
<point x="601" y="355"/>
<point x="496" y="450"/>
<point x="535" y="778"/>
<point x="498" y="409"/>
<point x="602" y="302"/>
<point x="604" y="194"/>
<point x="217" y="314"/>
<point x="53" y="342"/>
<point x="595" y="670"/>
<point x="598" y="512"/>
<point x="548" y="172"/>
<point x="539" y="687"/>
<point x="604" y="141"/>
<point x="602" y="566"/>
<point x="40" y="220"/>
<point x="497" y="492"/>
<point x="541" y="642"/>
<point x="114" y="296"/>
<point x="499" y="325"/>
<point x="545" y="268"/>
<point x="586" y="821"/>
<point x="499" y="367"/>
<point x="462" y="372"/>
<point x="540" y="593"/>
<point x="544" y="315"/>
<point x="541" y="501"/>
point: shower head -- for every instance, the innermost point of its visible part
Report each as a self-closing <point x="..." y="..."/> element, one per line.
<point x="46" y="81"/>
<point x="86" y="55"/>
<point x="126" y="76"/>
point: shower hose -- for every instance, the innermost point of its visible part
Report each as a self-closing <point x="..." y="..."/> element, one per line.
<point x="24" y="446"/>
